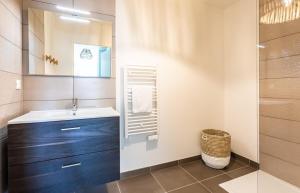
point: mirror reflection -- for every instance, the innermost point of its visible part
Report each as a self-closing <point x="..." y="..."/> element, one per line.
<point x="68" y="45"/>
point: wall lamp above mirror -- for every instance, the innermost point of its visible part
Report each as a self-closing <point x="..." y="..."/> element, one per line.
<point x="64" y="41"/>
<point x="279" y="11"/>
<point x="74" y="18"/>
<point x="73" y="11"/>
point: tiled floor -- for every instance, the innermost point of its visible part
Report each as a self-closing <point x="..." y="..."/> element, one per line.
<point x="192" y="177"/>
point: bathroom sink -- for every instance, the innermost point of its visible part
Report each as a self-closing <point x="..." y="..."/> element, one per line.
<point x="60" y="115"/>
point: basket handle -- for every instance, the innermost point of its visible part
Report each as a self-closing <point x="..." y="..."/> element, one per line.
<point x="204" y="137"/>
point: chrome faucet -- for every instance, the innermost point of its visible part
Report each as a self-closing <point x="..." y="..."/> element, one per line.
<point x="75" y="106"/>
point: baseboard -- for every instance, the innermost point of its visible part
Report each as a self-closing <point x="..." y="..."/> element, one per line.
<point x="147" y="170"/>
<point x="245" y="160"/>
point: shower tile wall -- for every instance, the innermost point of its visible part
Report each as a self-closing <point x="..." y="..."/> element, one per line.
<point x="10" y="59"/>
<point x="42" y="92"/>
<point x="10" y="71"/>
<point x="280" y="100"/>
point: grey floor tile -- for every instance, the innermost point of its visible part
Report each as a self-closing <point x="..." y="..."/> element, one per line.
<point x="234" y="164"/>
<point x="241" y="172"/>
<point x="195" y="188"/>
<point x="213" y="183"/>
<point x="173" y="177"/>
<point x="200" y="171"/>
<point x="140" y="184"/>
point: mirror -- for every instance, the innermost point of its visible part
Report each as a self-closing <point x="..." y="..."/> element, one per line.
<point x="67" y="45"/>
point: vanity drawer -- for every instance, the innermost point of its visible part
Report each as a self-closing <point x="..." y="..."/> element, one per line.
<point x="28" y="143"/>
<point x="68" y="175"/>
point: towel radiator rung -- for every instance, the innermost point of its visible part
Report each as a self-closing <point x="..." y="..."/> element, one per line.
<point x="142" y="117"/>
<point x="142" y="121"/>
<point x="142" y="125"/>
<point x="154" y="113"/>
<point x="142" y="132"/>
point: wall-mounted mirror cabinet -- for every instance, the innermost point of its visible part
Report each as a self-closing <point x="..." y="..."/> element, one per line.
<point x="66" y="43"/>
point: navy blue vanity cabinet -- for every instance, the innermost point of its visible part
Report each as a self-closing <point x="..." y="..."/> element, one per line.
<point x="63" y="156"/>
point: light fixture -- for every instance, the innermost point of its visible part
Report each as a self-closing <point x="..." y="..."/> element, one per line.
<point x="279" y="11"/>
<point x="287" y="2"/>
<point x="261" y="46"/>
<point x="86" y="54"/>
<point x="75" y="19"/>
<point x="71" y="10"/>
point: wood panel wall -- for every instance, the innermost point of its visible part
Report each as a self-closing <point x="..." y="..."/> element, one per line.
<point x="280" y="100"/>
<point x="46" y="92"/>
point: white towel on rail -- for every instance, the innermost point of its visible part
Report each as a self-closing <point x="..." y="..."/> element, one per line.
<point x="142" y="99"/>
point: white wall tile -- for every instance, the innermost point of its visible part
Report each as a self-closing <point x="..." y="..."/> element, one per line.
<point x="279" y="128"/>
<point x="10" y="57"/>
<point x="280" y="108"/>
<point x="47" y="105"/>
<point x="15" y="6"/>
<point x="278" y="148"/>
<point x="47" y="88"/>
<point x="280" y="68"/>
<point x="94" y="88"/>
<point x="8" y="93"/>
<point x="9" y="111"/>
<point x="10" y="26"/>
<point x="281" y="169"/>
<point x="101" y="103"/>
<point x="282" y="47"/>
<point x="280" y="88"/>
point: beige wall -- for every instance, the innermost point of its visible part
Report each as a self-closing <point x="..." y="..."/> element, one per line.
<point x="279" y="100"/>
<point x="45" y="92"/>
<point x="241" y="79"/>
<point x="10" y="71"/>
<point x="208" y="73"/>
<point x="185" y="40"/>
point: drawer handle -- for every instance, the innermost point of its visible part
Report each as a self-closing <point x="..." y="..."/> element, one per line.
<point x="70" y="129"/>
<point x="71" y="165"/>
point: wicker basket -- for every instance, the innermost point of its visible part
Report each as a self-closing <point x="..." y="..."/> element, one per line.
<point x="216" y="143"/>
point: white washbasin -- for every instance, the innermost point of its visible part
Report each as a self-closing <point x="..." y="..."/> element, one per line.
<point x="61" y="115"/>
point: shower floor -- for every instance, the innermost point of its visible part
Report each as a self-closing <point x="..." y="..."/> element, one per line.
<point x="259" y="182"/>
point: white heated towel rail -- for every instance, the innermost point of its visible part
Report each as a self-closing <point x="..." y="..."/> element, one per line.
<point x="136" y="124"/>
